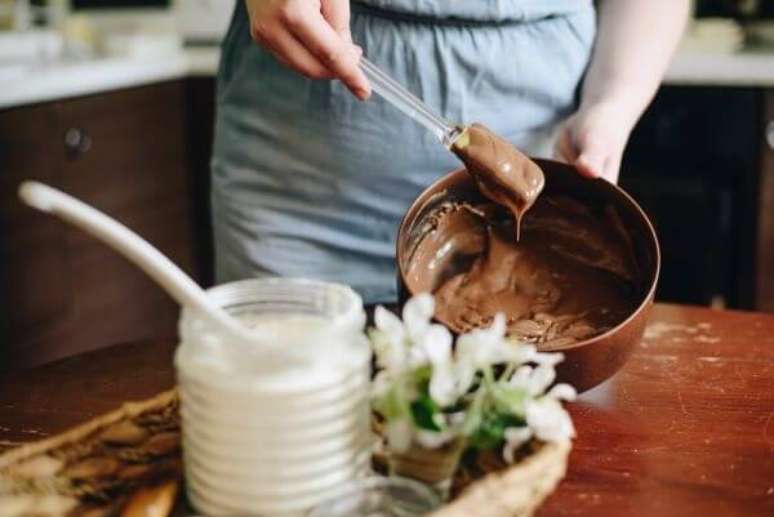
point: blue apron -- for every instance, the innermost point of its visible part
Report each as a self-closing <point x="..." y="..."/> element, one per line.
<point x="308" y="181"/>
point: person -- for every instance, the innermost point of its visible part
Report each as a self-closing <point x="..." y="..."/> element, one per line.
<point x="309" y="181"/>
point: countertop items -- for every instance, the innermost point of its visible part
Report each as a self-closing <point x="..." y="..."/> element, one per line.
<point x="753" y="68"/>
<point x="52" y="81"/>
<point x="57" y="80"/>
<point x="685" y="428"/>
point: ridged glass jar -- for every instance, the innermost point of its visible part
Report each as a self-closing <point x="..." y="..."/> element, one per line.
<point x="276" y="426"/>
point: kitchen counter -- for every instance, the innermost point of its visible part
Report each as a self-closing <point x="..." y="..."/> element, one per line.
<point x="740" y="69"/>
<point x="685" y="428"/>
<point x="62" y="80"/>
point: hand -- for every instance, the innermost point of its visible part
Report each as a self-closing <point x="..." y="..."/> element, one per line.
<point x="594" y="138"/>
<point x="310" y="36"/>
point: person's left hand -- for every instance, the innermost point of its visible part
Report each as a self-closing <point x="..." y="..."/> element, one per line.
<point x="593" y="140"/>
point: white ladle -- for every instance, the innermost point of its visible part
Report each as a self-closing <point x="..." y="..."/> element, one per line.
<point x="139" y="251"/>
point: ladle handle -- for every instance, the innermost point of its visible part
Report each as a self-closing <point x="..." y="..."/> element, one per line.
<point x="178" y="284"/>
<point x="394" y="93"/>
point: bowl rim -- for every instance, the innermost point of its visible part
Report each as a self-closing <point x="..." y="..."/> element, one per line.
<point x="437" y="186"/>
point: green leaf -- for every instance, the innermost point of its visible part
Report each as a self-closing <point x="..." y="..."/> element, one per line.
<point x="422" y="410"/>
<point x="491" y="431"/>
<point x="392" y="406"/>
<point x="510" y="400"/>
<point x="421" y="377"/>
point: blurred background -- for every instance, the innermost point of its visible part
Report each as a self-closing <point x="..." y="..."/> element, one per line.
<point x="112" y="101"/>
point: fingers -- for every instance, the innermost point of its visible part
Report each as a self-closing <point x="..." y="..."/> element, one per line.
<point x="594" y="140"/>
<point x="612" y="169"/>
<point x="564" y="149"/>
<point x="311" y="37"/>
<point x="591" y="161"/>
<point x="332" y="51"/>
<point x="337" y="14"/>
<point x="597" y="162"/>
<point x="290" y="52"/>
<point x="588" y="156"/>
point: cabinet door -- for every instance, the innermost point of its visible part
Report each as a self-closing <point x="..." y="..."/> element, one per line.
<point x="694" y="169"/>
<point x="765" y="262"/>
<point x="127" y="156"/>
<point x="200" y="101"/>
<point x="35" y="288"/>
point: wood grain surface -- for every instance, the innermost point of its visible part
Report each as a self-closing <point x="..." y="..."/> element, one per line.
<point x="686" y="428"/>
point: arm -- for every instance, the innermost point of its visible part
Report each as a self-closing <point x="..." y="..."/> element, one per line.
<point x="635" y="42"/>
<point x="310" y="36"/>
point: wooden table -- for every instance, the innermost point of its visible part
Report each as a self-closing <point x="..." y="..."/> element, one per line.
<point x="686" y="428"/>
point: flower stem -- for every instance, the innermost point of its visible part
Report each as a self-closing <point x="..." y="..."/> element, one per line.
<point x="509" y="369"/>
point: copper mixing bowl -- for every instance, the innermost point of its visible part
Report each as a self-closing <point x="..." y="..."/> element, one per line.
<point x="589" y="362"/>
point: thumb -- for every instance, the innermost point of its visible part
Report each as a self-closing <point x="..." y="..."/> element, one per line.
<point x="564" y="149"/>
<point x="591" y="161"/>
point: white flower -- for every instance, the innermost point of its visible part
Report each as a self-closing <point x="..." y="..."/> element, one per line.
<point x="482" y="347"/>
<point x="534" y="381"/>
<point x="381" y="383"/>
<point x="562" y="392"/>
<point x="403" y="346"/>
<point x="417" y="314"/>
<point x="433" y="346"/>
<point x="547" y="358"/>
<point x="389" y="340"/>
<point x="415" y="342"/>
<point x="389" y="323"/>
<point x="443" y="385"/>
<point x="463" y="373"/>
<point x="485" y="347"/>
<point x="522" y="352"/>
<point x="548" y="420"/>
<point x="398" y="433"/>
<point x="412" y="342"/>
<point x="515" y="437"/>
<point x="436" y="347"/>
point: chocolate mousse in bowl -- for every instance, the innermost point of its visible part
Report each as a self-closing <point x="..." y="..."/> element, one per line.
<point x="578" y="277"/>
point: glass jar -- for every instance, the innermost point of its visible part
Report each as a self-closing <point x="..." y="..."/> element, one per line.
<point x="379" y="496"/>
<point x="276" y="425"/>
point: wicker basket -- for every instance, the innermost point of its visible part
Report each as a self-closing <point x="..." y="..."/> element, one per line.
<point x="145" y="473"/>
<point x="516" y="491"/>
<point x="121" y="462"/>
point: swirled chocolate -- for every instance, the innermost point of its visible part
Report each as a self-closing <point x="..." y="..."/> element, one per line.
<point x="571" y="276"/>
<point x="503" y="174"/>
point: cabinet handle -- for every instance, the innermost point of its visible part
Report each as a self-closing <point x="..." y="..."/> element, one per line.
<point x="770" y="134"/>
<point x="77" y="140"/>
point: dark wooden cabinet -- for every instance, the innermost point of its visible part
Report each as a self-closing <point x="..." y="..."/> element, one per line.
<point x="694" y="163"/>
<point x="35" y="289"/>
<point x="200" y="100"/>
<point x="765" y="241"/>
<point x="125" y="153"/>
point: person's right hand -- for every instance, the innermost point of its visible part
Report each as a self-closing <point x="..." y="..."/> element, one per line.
<point x="310" y="36"/>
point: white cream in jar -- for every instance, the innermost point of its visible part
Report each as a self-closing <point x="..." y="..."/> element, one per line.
<point x="275" y="429"/>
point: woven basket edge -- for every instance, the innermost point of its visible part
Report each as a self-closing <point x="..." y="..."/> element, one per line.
<point x="127" y="410"/>
<point x="479" y="494"/>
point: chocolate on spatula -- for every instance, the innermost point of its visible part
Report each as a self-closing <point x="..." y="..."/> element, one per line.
<point x="503" y="174"/>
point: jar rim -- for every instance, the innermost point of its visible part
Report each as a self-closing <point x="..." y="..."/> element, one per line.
<point x="240" y="291"/>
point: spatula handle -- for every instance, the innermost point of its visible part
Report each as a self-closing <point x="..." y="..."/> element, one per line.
<point x="394" y="93"/>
